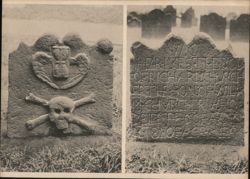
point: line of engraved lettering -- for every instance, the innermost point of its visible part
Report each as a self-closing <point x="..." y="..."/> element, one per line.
<point x="182" y="76"/>
<point x="199" y="63"/>
<point x="188" y="131"/>
<point x="185" y="90"/>
<point x="161" y="105"/>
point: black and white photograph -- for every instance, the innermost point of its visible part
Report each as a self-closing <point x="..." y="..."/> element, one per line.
<point x="153" y="89"/>
<point x="61" y="93"/>
<point x="188" y="70"/>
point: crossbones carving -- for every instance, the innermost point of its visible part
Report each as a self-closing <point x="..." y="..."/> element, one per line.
<point x="61" y="113"/>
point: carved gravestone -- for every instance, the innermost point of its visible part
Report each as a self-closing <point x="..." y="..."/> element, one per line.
<point x="60" y="88"/>
<point x="187" y="93"/>
<point x="155" y="24"/>
<point x="188" y="18"/>
<point x="214" y="25"/>
<point x="170" y="10"/>
<point x="240" y="28"/>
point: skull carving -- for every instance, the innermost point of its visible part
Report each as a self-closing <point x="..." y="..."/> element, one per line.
<point x="60" y="111"/>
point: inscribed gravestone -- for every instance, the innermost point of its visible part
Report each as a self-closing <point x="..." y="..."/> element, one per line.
<point x="188" y="18"/>
<point x="155" y="24"/>
<point x="187" y="93"/>
<point x="170" y="10"/>
<point x="214" y="25"/>
<point x="239" y="28"/>
<point x="60" y="88"/>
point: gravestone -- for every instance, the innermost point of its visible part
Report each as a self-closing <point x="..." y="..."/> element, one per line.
<point x="214" y="25"/>
<point x="240" y="28"/>
<point x="59" y="88"/>
<point x="187" y="93"/>
<point x="155" y="24"/>
<point x="230" y="16"/>
<point x="188" y="18"/>
<point x="134" y="19"/>
<point x="170" y="10"/>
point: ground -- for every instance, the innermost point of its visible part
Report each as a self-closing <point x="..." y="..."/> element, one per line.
<point x="79" y="154"/>
<point x="185" y="158"/>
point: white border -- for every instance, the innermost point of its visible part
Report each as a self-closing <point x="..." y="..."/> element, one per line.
<point x="118" y="175"/>
<point x="134" y="2"/>
<point x="124" y="90"/>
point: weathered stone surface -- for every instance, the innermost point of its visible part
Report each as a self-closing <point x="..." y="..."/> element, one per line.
<point x="57" y="108"/>
<point x="240" y="28"/>
<point x="170" y="10"/>
<point x="188" y="18"/>
<point x="155" y="24"/>
<point x="187" y="93"/>
<point x="214" y="25"/>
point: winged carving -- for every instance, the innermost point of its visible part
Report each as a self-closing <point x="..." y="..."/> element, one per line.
<point x="59" y="69"/>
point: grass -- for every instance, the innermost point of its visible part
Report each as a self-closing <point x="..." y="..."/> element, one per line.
<point x="138" y="164"/>
<point x="171" y="160"/>
<point x="239" y="167"/>
<point x="61" y="158"/>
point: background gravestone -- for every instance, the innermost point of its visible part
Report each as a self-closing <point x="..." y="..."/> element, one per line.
<point x="170" y="10"/>
<point x="69" y="69"/>
<point x="214" y="25"/>
<point x="230" y="16"/>
<point x="240" y="27"/>
<point x="155" y="24"/>
<point x="188" y="18"/>
<point x="187" y="93"/>
<point x="134" y="19"/>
